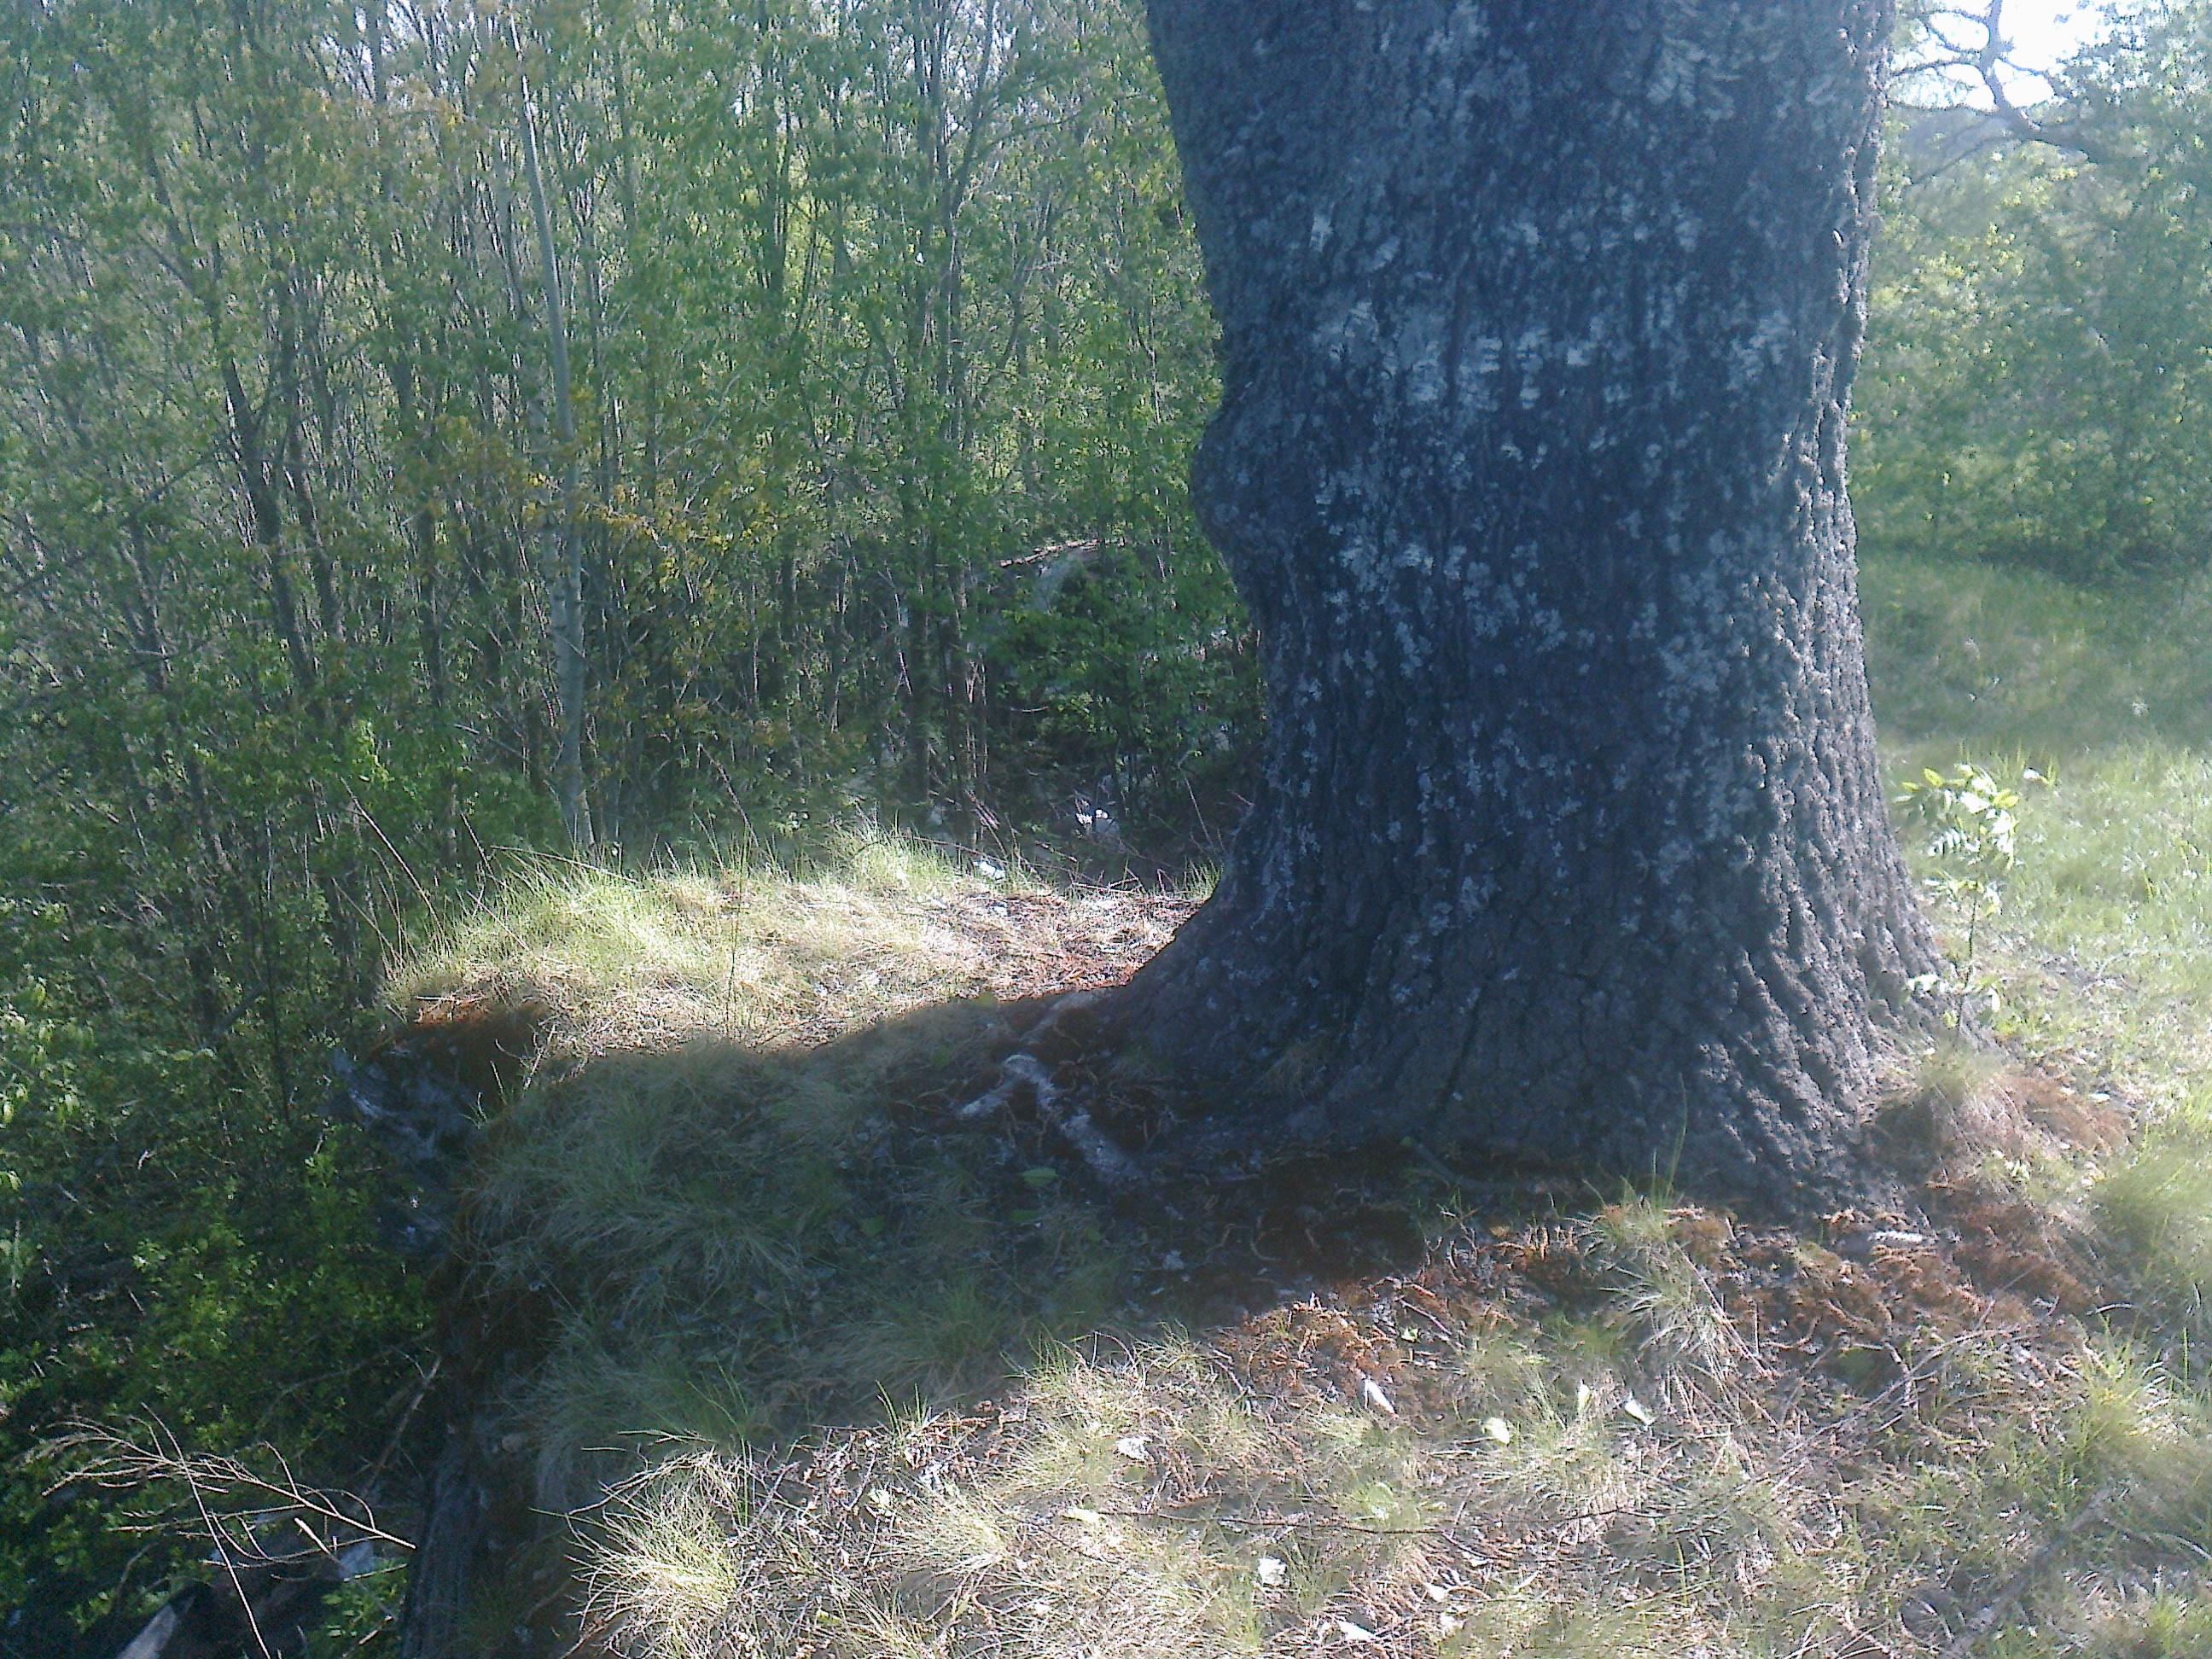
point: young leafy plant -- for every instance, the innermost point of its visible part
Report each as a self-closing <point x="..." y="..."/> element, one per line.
<point x="1971" y="822"/>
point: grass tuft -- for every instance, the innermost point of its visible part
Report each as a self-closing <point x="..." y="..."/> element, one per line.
<point x="669" y="1573"/>
<point x="1683" y="1332"/>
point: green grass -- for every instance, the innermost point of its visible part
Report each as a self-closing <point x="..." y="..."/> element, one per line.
<point x="2103" y="950"/>
<point x="775" y="1314"/>
<point x="2157" y="1207"/>
<point x="2105" y="943"/>
<point x="1986" y="661"/>
<point x="745" y="950"/>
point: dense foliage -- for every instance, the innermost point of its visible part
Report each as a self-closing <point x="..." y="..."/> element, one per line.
<point x="2040" y="369"/>
<point x="884" y="347"/>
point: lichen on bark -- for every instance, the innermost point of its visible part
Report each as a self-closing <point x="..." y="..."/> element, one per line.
<point x="1537" y="326"/>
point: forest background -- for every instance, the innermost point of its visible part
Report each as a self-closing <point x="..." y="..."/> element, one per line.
<point x="429" y="434"/>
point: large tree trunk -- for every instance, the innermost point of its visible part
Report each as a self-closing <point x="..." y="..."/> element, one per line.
<point x="1538" y="323"/>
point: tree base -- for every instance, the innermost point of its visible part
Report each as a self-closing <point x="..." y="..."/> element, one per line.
<point x="1781" y="1122"/>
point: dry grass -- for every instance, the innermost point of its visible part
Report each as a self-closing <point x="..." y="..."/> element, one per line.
<point x="1638" y="1432"/>
<point x="1148" y="1500"/>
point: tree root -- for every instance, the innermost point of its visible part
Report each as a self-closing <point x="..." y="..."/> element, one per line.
<point x="1023" y="1073"/>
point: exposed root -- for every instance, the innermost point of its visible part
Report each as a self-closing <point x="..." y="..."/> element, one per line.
<point x="1024" y="1072"/>
<point x="1019" y="1072"/>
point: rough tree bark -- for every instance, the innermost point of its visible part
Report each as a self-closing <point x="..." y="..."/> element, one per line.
<point x="1538" y="323"/>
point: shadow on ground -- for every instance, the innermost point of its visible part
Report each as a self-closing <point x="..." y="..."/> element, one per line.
<point x="762" y="1259"/>
<point x="714" y="1246"/>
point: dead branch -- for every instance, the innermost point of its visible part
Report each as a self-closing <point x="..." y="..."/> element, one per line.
<point x="237" y="1504"/>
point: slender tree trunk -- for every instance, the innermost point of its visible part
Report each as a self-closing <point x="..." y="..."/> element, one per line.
<point x="568" y="570"/>
<point x="1537" y="326"/>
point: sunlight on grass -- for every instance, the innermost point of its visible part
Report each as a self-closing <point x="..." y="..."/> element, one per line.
<point x="2104" y="943"/>
<point x="1992" y="662"/>
<point x="2110" y="917"/>
<point x="1144" y="1500"/>
<point x="1137" y="1507"/>
<point x="2157" y="1204"/>
<point x="1681" y="1329"/>
<point x="748" y="951"/>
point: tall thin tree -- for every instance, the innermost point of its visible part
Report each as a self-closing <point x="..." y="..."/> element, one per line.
<point x="568" y="564"/>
